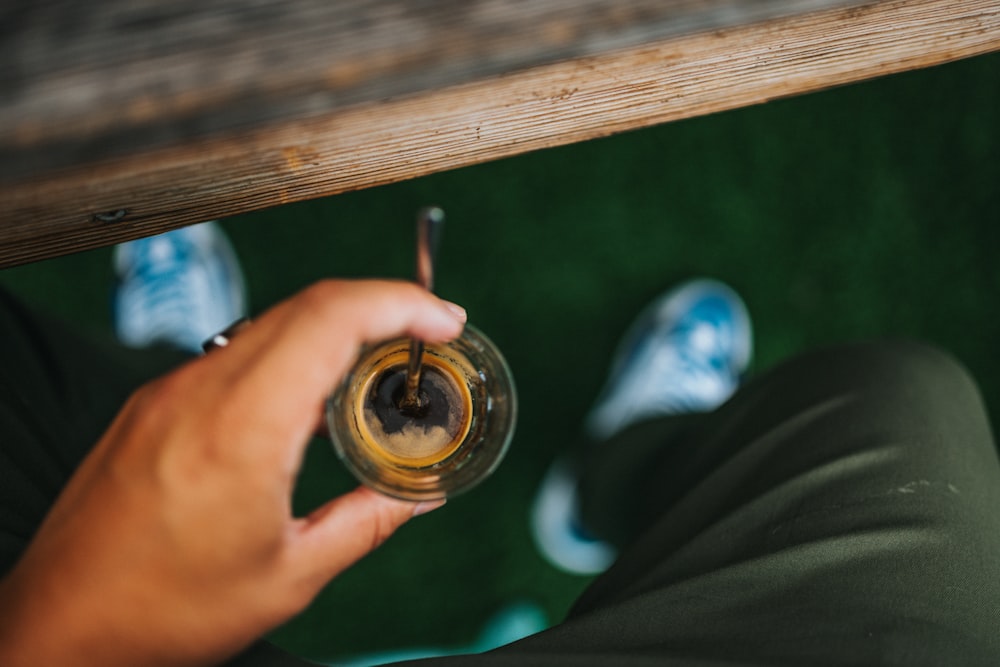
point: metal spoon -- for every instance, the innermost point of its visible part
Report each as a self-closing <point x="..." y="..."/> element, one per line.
<point x="429" y="223"/>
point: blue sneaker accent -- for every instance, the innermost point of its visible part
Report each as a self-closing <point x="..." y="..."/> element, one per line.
<point x="514" y="622"/>
<point x="177" y="288"/>
<point x="685" y="353"/>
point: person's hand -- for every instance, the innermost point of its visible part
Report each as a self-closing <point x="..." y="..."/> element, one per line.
<point x="174" y="541"/>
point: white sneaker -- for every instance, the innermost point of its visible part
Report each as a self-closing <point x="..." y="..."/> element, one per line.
<point x="177" y="288"/>
<point x="685" y="353"/>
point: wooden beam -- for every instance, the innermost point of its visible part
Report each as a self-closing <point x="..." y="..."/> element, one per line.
<point x="86" y="82"/>
<point x="160" y="181"/>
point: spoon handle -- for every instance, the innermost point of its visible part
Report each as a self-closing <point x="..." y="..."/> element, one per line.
<point x="429" y="223"/>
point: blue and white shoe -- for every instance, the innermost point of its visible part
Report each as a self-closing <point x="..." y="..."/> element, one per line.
<point x="685" y="353"/>
<point x="177" y="288"/>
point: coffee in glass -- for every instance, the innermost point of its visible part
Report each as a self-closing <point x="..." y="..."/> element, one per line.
<point x="448" y="440"/>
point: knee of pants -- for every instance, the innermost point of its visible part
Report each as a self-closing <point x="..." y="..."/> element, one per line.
<point x="900" y="380"/>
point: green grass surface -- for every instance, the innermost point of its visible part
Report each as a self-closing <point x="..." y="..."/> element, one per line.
<point x="865" y="211"/>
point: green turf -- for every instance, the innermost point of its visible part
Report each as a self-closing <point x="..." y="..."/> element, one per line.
<point x="865" y="211"/>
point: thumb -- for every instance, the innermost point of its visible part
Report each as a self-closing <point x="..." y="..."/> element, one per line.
<point x="342" y="531"/>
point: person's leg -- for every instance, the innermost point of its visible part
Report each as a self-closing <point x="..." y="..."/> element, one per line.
<point x="684" y="355"/>
<point x="59" y="390"/>
<point x="841" y="509"/>
<point x="622" y="487"/>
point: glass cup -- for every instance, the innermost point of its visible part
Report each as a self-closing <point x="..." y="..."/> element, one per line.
<point x="456" y="437"/>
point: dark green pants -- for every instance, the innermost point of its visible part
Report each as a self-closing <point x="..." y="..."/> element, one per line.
<point x="842" y="509"/>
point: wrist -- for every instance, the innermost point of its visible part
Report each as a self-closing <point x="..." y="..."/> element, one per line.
<point x="40" y="625"/>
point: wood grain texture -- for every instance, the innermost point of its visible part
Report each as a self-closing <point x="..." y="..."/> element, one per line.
<point x="85" y="82"/>
<point x="371" y="142"/>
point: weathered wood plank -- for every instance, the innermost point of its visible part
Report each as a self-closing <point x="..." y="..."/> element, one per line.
<point x="84" y="81"/>
<point x="368" y="142"/>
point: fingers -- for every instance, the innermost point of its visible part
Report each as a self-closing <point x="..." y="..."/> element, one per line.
<point x="341" y="532"/>
<point x="289" y="360"/>
<point x="314" y="336"/>
<point x="366" y="311"/>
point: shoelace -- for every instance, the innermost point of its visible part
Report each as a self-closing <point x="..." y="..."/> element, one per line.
<point x="687" y="374"/>
<point x="164" y="291"/>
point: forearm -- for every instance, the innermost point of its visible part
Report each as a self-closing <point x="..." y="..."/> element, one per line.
<point x="41" y="625"/>
<point x="36" y="629"/>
